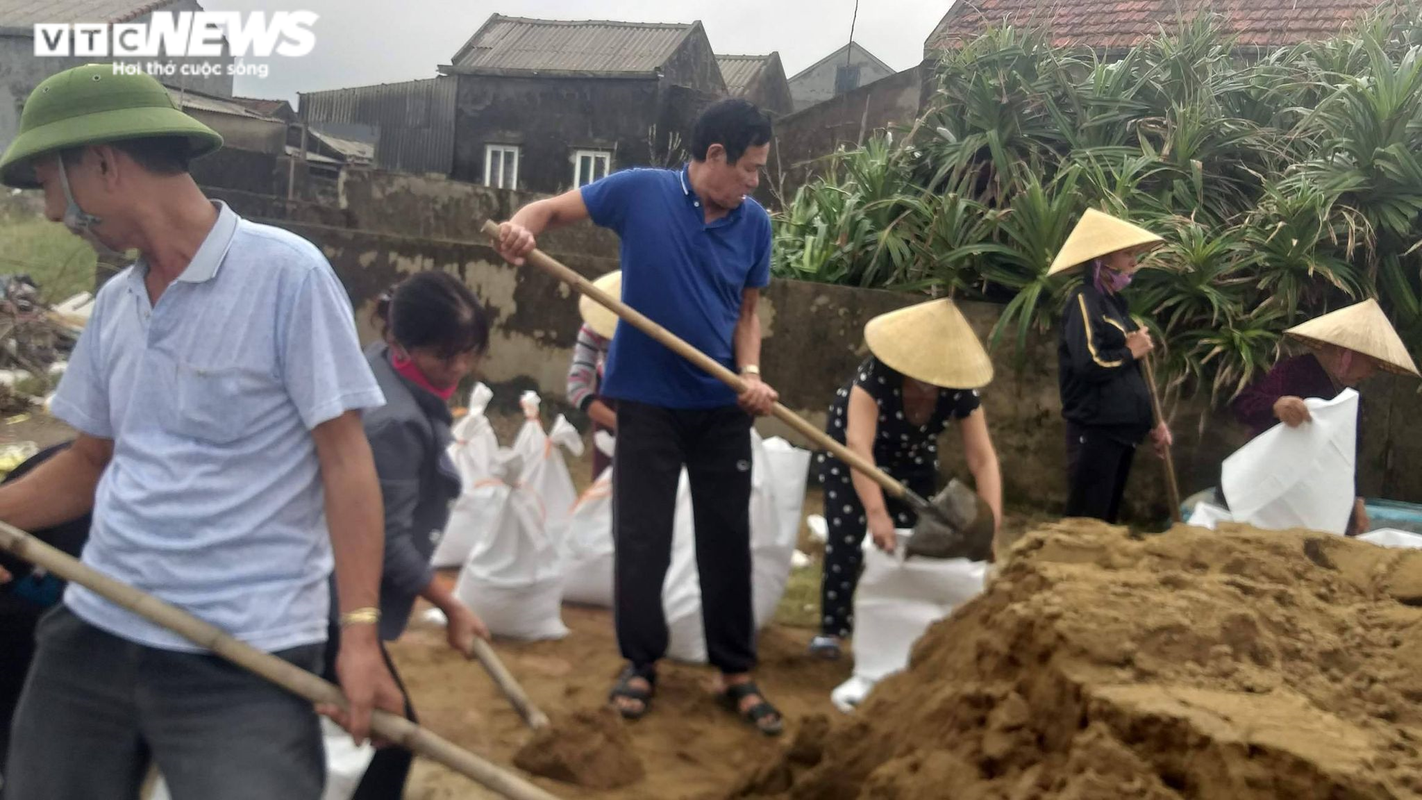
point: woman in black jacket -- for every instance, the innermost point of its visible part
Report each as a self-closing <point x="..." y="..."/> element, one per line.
<point x="435" y="331"/>
<point x="1104" y="396"/>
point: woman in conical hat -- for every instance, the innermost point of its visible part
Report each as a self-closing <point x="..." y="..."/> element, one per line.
<point x="925" y="369"/>
<point x="589" y="355"/>
<point x="1345" y="348"/>
<point x="1104" y="396"/>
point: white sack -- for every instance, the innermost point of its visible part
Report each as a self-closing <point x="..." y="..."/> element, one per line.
<point x="475" y="446"/>
<point x="513" y="578"/>
<point x="588" y="547"/>
<point x="1298" y="477"/>
<point x="1392" y="537"/>
<point x="771" y="552"/>
<point x="895" y="603"/>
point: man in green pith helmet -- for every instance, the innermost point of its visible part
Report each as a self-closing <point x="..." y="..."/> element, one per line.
<point x="217" y="392"/>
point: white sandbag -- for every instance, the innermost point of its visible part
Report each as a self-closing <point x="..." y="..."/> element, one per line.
<point x="475" y="447"/>
<point x="771" y="552"/>
<point x="605" y="442"/>
<point x="545" y="473"/>
<point x="1298" y="477"/>
<point x="473" y="516"/>
<point x="513" y="577"/>
<point x="895" y="603"/>
<point x="588" y="547"/>
<point x="1208" y="515"/>
<point x="789" y="468"/>
<point x="346" y="762"/>
<point x="1392" y="537"/>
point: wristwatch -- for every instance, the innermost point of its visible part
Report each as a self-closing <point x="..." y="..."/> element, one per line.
<point x="750" y="369"/>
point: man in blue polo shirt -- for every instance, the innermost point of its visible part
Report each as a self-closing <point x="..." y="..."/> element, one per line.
<point x="217" y="392"/>
<point x="695" y="255"/>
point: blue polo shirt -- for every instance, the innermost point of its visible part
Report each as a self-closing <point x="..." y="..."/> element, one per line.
<point x="684" y="274"/>
<point x="213" y="500"/>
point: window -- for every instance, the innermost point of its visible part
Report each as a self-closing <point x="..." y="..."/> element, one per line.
<point x="846" y="78"/>
<point x="501" y="166"/>
<point x="590" y="165"/>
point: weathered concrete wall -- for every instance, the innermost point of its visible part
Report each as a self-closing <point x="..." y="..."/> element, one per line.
<point x="814" y="341"/>
<point x="771" y="90"/>
<point x="819" y="130"/>
<point x="437" y="208"/>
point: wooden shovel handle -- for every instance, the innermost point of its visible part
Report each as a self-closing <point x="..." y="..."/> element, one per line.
<point x="1172" y="486"/>
<point x="484" y="653"/>
<point x="294" y="679"/>
<point x="677" y="345"/>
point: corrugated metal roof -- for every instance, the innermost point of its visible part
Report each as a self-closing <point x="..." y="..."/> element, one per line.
<point x="350" y="148"/>
<point x="1110" y="24"/>
<point x="413" y="121"/>
<point x="28" y="13"/>
<point x="515" y="44"/>
<point x="740" y="72"/>
<point x="217" y="105"/>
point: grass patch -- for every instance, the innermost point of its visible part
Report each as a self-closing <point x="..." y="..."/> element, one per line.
<point x="59" y="263"/>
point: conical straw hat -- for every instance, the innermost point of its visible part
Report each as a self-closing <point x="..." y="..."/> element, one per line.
<point x="931" y="342"/>
<point x="1096" y="235"/>
<point x="1362" y="328"/>
<point x="597" y="316"/>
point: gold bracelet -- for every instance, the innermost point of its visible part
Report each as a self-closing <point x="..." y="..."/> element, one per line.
<point x="360" y="616"/>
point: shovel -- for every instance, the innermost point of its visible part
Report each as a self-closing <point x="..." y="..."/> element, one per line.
<point x="942" y="532"/>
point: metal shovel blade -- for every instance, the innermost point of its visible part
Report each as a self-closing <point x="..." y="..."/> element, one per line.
<point x="957" y="524"/>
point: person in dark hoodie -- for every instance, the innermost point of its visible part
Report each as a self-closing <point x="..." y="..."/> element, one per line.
<point x="1104" y="396"/>
<point x="435" y="332"/>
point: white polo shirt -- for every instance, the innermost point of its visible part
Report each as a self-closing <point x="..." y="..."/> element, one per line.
<point x="213" y="501"/>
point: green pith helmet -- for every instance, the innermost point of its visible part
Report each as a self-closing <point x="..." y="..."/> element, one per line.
<point x="91" y="105"/>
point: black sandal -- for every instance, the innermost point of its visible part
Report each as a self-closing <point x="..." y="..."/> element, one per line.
<point x="624" y="689"/>
<point x="732" y="696"/>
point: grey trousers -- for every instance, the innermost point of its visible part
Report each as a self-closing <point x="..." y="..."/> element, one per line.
<point x="96" y="709"/>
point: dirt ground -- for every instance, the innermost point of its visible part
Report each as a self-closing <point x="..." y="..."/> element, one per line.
<point x="690" y="746"/>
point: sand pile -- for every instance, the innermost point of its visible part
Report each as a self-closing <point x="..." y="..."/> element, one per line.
<point x="1241" y="664"/>
<point x="590" y="749"/>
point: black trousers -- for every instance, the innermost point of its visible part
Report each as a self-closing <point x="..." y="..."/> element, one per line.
<point x="385" y="777"/>
<point x="653" y="444"/>
<point x="1097" y="468"/>
<point x="844" y="550"/>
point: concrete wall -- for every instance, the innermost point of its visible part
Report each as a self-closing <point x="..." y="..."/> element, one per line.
<point x="813" y="342"/>
<point x="21" y="72"/>
<point x="817" y="84"/>
<point x="807" y="135"/>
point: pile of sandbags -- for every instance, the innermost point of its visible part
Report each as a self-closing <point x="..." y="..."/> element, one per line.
<point x="507" y="527"/>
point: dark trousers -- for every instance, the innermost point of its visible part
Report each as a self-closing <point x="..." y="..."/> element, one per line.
<point x="385" y="776"/>
<point x="653" y="444"/>
<point x="17" y="649"/>
<point x="96" y="709"/>
<point x="844" y="549"/>
<point x="1097" y="468"/>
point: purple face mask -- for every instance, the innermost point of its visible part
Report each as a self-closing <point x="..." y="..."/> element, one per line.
<point x="1110" y="280"/>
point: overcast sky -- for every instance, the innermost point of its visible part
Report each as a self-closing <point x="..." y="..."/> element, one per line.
<point x="361" y="42"/>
